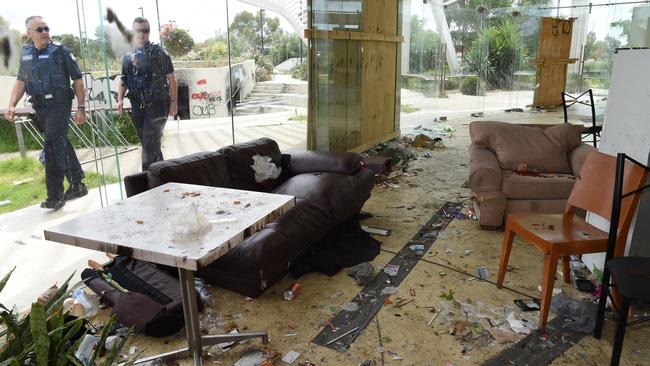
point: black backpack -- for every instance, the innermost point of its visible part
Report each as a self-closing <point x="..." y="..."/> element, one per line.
<point x="152" y="305"/>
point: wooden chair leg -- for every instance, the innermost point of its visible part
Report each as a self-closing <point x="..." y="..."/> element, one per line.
<point x="508" y="236"/>
<point x="620" y="332"/>
<point x="548" y="279"/>
<point x="566" y="268"/>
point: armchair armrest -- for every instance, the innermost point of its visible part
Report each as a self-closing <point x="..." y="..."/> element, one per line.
<point x="136" y="183"/>
<point x="308" y="161"/>
<point x="484" y="170"/>
<point x="578" y="155"/>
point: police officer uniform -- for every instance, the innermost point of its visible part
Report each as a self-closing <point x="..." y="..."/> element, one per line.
<point x="144" y="74"/>
<point x="46" y="74"/>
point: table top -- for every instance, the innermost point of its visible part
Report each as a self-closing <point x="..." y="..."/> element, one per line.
<point x="153" y="225"/>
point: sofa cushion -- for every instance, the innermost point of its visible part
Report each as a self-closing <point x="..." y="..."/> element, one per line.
<point x="204" y="168"/>
<point x="270" y="250"/>
<point x="338" y="195"/>
<point x="239" y="159"/>
<point x="540" y="186"/>
<point x="542" y="149"/>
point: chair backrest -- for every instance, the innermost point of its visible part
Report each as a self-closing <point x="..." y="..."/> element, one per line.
<point x="594" y="188"/>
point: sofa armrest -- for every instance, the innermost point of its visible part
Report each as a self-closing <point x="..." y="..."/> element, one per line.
<point x="578" y="155"/>
<point x="308" y="161"/>
<point x="484" y="170"/>
<point x="136" y="183"/>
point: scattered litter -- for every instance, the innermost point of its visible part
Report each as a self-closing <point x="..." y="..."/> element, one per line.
<point x="252" y="358"/>
<point x="19" y="242"/>
<point x="449" y="296"/>
<point x="290" y="357"/>
<point x="460" y="328"/>
<point x="236" y="202"/>
<point x="517" y="325"/>
<point x="503" y="335"/>
<point x="362" y="273"/>
<point x="368" y="363"/>
<point x="483" y="273"/>
<point x="433" y="318"/>
<point x="417" y="248"/>
<point x="467" y="252"/>
<point x="395" y="174"/>
<point x="23" y="181"/>
<point x="265" y="169"/>
<point x="401" y="302"/>
<point x="391" y="269"/>
<point x="339" y="293"/>
<point x="389" y="290"/>
<point x="477" y="114"/>
<point x="513" y="110"/>
<point x="442" y="274"/>
<point x="133" y="350"/>
<point x="189" y="220"/>
<point x="228" y="345"/>
<point x="139" y="222"/>
<point x="85" y="350"/>
<point x="423" y="140"/>
<point x="556" y="291"/>
<point x="223" y="221"/>
<point x="412" y="292"/>
<point x="342" y="335"/>
<point x="427" y="155"/>
<point x="291" y="334"/>
<point x="292" y="292"/>
<point x="5" y="202"/>
<point x="528" y="304"/>
<point x="394" y="355"/>
<point x="391" y="185"/>
<point x="374" y="230"/>
<point x="583" y="313"/>
<point x="350" y="306"/>
<point x="190" y="194"/>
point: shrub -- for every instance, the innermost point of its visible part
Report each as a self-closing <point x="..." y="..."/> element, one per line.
<point x="300" y="71"/>
<point x="472" y="85"/>
<point x="452" y="83"/>
<point x="263" y="67"/>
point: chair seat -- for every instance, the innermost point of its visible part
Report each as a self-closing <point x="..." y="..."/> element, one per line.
<point x="631" y="275"/>
<point x="553" y="229"/>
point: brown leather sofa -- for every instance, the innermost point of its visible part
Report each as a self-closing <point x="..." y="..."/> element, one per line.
<point x="329" y="188"/>
<point x="522" y="168"/>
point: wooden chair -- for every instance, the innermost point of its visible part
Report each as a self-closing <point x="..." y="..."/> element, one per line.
<point x="629" y="273"/>
<point x="562" y="235"/>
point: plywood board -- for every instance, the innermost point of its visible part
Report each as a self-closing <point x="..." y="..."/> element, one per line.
<point x="552" y="60"/>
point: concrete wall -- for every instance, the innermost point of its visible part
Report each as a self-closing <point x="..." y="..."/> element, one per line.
<point x="209" y="87"/>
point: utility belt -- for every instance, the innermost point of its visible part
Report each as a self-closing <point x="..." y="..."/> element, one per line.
<point x="57" y="95"/>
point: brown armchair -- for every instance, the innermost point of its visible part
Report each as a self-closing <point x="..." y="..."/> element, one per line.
<point x="517" y="168"/>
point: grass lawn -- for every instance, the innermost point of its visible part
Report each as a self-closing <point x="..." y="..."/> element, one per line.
<point x="32" y="192"/>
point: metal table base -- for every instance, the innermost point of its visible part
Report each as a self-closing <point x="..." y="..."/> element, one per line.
<point x="195" y="341"/>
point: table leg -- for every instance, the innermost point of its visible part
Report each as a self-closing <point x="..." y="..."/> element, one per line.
<point x="191" y="312"/>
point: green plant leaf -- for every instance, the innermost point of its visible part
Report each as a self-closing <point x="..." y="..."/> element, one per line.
<point x="6" y="279"/>
<point x="60" y="295"/>
<point x="102" y="339"/>
<point x="38" y="328"/>
<point x="73" y="360"/>
<point x="117" y="348"/>
<point x="13" y="361"/>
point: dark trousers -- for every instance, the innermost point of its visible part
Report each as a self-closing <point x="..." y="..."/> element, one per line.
<point x="60" y="158"/>
<point x="149" y="121"/>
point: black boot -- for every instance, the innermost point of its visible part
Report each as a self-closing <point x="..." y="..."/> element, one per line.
<point x="53" y="203"/>
<point x="75" y="191"/>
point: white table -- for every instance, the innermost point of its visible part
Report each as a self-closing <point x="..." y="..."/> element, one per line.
<point x="146" y="227"/>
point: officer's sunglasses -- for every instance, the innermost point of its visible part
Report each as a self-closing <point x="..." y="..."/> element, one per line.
<point x="144" y="30"/>
<point x="42" y="29"/>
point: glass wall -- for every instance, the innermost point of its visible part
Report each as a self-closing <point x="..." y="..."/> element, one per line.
<point x="494" y="64"/>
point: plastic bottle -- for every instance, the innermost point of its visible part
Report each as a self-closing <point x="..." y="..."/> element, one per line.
<point x="91" y="305"/>
<point x="85" y="350"/>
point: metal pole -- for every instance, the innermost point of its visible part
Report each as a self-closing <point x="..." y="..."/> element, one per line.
<point x="141" y="12"/>
<point x="232" y="105"/>
<point x="262" y="30"/>
<point x="19" y="136"/>
<point x="158" y="17"/>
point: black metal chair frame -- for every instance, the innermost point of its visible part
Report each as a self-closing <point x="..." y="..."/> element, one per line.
<point x="605" y="293"/>
<point x="568" y="100"/>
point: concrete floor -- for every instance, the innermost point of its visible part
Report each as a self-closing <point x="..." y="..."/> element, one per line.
<point x="292" y="325"/>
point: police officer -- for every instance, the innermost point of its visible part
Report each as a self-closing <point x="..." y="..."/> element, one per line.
<point x="150" y="84"/>
<point x="45" y="72"/>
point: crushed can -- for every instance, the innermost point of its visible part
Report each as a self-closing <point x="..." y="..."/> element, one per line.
<point x="292" y="292"/>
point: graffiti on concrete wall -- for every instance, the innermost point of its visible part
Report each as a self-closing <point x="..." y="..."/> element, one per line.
<point x="205" y="101"/>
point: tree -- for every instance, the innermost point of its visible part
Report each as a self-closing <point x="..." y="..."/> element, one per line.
<point x="423" y="46"/>
<point x="625" y="28"/>
<point x="284" y="46"/>
<point x="178" y="42"/>
<point x="245" y="27"/>
<point x="497" y="53"/>
<point x="69" y="41"/>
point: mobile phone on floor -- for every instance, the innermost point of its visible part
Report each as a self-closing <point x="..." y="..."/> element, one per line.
<point x="528" y="304"/>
